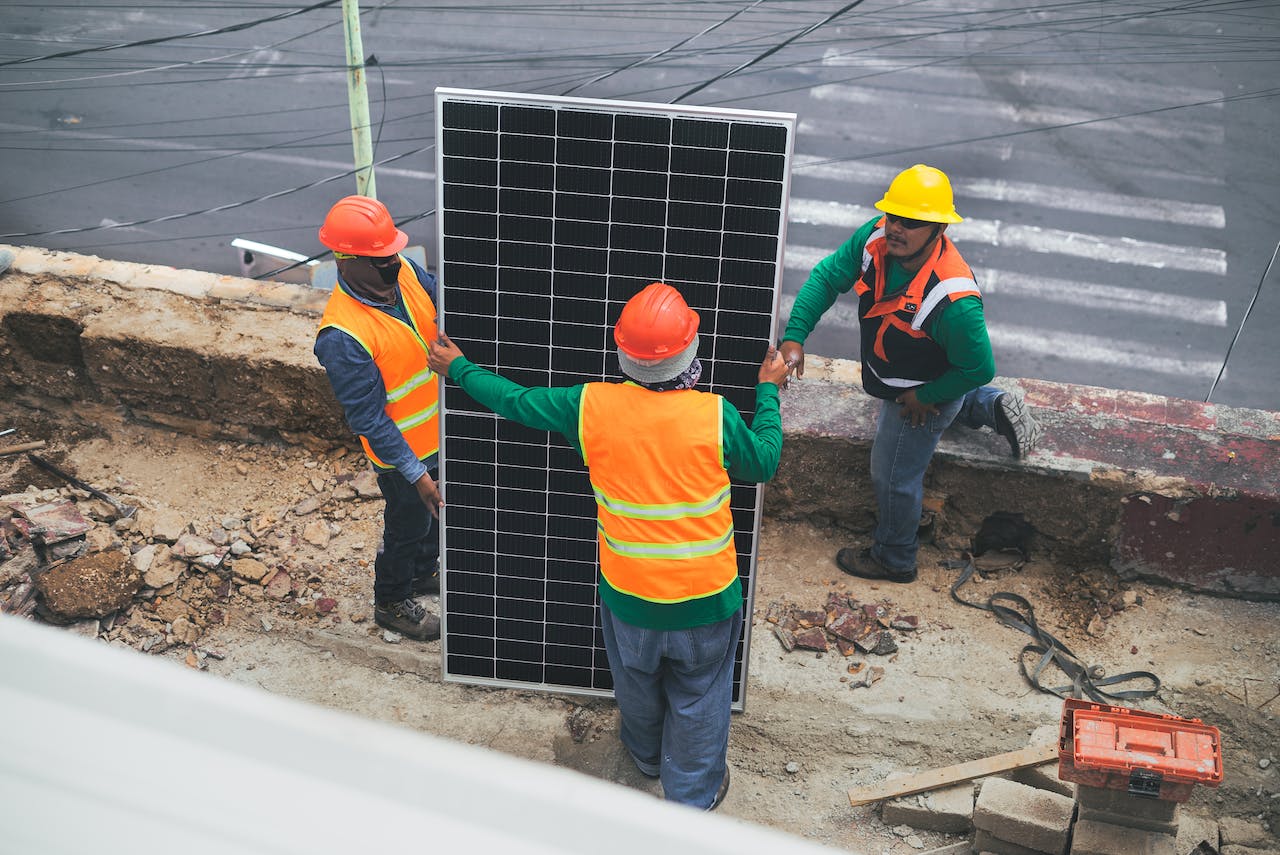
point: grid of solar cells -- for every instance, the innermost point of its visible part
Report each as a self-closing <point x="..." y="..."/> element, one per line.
<point x="552" y="213"/>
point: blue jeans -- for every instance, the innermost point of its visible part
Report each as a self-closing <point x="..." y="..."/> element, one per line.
<point x="900" y="455"/>
<point x="410" y="539"/>
<point x="674" y="689"/>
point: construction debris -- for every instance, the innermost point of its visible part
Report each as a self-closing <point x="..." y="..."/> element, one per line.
<point x="852" y="627"/>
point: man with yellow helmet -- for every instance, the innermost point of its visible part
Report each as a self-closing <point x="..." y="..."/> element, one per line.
<point x="925" y="353"/>
<point x="659" y="454"/>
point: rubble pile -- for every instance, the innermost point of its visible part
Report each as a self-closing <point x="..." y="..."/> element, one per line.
<point x="847" y="625"/>
<point x="139" y="573"/>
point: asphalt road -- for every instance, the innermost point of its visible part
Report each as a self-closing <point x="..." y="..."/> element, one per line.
<point x="1114" y="160"/>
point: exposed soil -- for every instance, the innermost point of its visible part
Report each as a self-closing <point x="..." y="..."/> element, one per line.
<point x="811" y="729"/>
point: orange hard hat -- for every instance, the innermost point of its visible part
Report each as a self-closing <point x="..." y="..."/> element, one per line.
<point x="655" y="324"/>
<point x="358" y="225"/>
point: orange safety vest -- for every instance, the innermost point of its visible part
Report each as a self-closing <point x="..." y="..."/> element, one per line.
<point x="400" y="352"/>
<point x="656" y="462"/>
<point x="897" y="353"/>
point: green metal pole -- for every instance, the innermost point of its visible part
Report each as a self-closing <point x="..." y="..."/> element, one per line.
<point x="358" y="98"/>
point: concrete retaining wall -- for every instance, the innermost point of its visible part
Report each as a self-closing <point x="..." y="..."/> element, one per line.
<point x="1162" y="488"/>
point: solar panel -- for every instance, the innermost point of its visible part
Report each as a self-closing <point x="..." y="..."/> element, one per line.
<point x="551" y="213"/>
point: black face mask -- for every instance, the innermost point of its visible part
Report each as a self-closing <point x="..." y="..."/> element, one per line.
<point x="389" y="272"/>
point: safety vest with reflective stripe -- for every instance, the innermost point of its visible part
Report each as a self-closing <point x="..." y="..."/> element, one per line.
<point x="656" y="462"/>
<point x="400" y="352"/>
<point x="897" y="353"/>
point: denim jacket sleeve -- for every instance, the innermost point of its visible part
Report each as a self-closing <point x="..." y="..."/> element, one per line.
<point x="357" y="384"/>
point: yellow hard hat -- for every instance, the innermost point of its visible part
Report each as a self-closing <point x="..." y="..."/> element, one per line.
<point x="921" y="193"/>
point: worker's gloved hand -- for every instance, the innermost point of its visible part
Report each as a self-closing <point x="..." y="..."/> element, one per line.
<point x="793" y="354"/>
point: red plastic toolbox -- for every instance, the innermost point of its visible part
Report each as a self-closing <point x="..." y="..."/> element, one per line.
<point x="1148" y="754"/>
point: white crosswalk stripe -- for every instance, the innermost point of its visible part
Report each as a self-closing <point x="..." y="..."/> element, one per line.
<point x="820" y="218"/>
<point x="1109" y="248"/>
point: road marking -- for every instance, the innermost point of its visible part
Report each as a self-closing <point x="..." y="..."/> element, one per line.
<point x="985" y="109"/>
<point x="1084" y="295"/>
<point x="1035" y="341"/>
<point x="1115" y="250"/>
<point x="1106" y="298"/>
<point x="307" y="162"/>
<point x="1045" y="195"/>
<point x="1080" y="83"/>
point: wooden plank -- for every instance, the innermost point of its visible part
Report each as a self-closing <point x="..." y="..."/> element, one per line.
<point x="933" y="779"/>
<point x="26" y="446"/>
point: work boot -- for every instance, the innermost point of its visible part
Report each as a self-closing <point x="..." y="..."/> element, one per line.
<point x="408" y="618"/>
<point x="724" y="788"/>
<point x="427" y="583"/>
<point x="1014" y="423"/>
<point x="861" y="563"/>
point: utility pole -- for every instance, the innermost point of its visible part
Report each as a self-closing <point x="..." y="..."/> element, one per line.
<point x="358" y="99"/>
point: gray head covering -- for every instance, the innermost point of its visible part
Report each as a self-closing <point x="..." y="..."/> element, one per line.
<point x="661" y="370"/>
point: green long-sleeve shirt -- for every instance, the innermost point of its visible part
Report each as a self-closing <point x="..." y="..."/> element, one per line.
<point x="750" y="454"/>
<point x="960" y="329"/>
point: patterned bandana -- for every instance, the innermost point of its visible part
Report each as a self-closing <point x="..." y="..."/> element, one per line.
<point x="687" y="379"/>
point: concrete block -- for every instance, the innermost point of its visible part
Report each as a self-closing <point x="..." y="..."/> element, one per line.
<point x="1044" y="777"/>
<point x="1118" y="807"/>
<point x="1037" y="819"/>
<point x="948" y="810"/>
<point x="1103" y="838"/>
<point x="1194" y="829"/>
<point x="985" y="841"/>
<point x="962" y="848"/>
<point x="1243" y="832"/>
<point x="1237" y="849"/>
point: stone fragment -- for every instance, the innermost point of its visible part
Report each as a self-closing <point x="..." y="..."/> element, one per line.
<point x="1243" y="832"/>
<point x="309" y="505"/>
<point x="162" y="570"/>
<point x="868" y="678"/>
<point x="905" y="623"/>
<point x="280" y="586"/>
<point x="165" y="524"/>
<point x="366" y="485"/>
<point x="91" y="586"/>
<point x="808" y="619"/>
<point x="813" y="638"/>
<point x="844" y="622"/>
<point x="317" y="533"/>
<point x="785" y="636"/>
<point x="249" y="568"/>
<point x="197" y="550"/>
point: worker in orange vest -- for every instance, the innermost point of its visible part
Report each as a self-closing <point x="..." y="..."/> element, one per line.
<point x="659" y="454"/>
<point x="372" y="343"/>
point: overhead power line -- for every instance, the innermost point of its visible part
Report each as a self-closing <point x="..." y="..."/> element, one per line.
<point x="232" y="28"/>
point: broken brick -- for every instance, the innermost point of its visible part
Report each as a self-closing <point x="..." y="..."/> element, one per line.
<point x="813" y="638"/>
